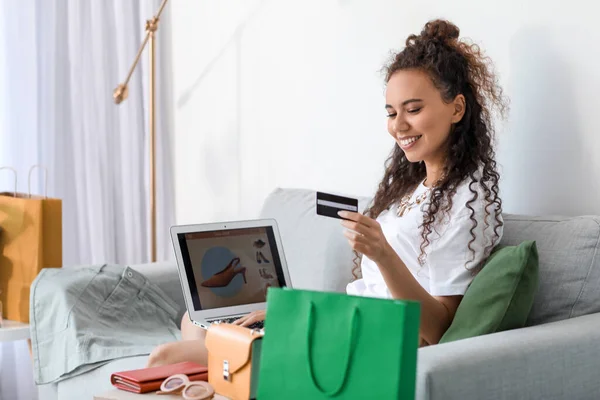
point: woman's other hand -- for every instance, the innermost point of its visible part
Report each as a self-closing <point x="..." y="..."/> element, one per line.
<point x="253" y="317"/>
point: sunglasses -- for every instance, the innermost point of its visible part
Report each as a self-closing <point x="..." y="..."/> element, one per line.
<point x="180" y="383"/>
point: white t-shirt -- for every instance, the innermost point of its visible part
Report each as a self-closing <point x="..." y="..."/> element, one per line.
<point x="447" y="256"/>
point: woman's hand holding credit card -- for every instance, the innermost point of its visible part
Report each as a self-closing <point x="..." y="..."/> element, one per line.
<point x="364" y="234"/>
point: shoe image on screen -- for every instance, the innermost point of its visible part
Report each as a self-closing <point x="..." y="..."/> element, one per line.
<point x="260" y="257"/>
<point x="222" y="271"/>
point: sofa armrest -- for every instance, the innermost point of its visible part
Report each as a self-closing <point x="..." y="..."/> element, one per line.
<point x="559" y="360"/>
<point x="165" y="276"/>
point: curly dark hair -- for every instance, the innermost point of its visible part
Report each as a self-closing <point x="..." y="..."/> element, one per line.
<point x="455" y="67"/>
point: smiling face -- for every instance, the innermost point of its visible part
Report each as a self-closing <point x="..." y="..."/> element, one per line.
<point x="418" y="118"/>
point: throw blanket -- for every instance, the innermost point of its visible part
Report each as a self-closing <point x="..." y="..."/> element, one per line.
<point x="82" y="318"/>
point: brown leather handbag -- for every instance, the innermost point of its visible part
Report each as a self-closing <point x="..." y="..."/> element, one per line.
<point x="233" y="360"/>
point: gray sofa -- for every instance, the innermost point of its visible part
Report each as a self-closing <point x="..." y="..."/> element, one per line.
<point x="556" y="357"/>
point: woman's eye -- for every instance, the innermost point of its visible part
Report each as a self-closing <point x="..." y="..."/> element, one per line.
<point x="414" y="110"/>
<point x="391" y="115"/>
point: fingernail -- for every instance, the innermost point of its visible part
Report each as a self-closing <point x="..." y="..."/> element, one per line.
<point x="342" y="213"/>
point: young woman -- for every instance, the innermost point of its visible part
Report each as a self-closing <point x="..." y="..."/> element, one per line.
<point x="437" y="213"/>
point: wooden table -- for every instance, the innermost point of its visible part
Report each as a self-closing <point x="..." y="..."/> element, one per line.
<point x="117" y="394"/>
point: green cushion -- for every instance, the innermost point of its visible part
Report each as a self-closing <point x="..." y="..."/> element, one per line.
<point x="500" y="296"/>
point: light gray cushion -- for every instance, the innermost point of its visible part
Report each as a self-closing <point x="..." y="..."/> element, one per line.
<point x="317" y="253"/>
<point x="569" y="268"/>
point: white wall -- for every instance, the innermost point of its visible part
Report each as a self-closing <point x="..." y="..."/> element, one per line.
<point x="281" y="93"/>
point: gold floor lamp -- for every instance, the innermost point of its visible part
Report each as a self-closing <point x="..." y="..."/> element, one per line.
<point x="120" y="94"/>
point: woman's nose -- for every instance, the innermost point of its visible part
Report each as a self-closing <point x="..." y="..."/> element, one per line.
<point x="400" y="124"/>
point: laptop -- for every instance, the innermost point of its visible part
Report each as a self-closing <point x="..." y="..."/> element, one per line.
<point x="226" y="268"/>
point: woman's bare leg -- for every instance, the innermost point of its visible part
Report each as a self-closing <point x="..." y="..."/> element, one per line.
<point x="191" y="348"/>
<point x="189" y="331"/>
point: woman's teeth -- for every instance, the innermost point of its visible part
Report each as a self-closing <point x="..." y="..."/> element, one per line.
<point x="410" y="140"/>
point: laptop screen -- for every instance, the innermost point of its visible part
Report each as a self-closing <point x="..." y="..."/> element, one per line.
<point x="231" y="267"/>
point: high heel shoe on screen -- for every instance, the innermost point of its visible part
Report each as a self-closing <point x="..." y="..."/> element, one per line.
<point x="224" y="278"/>
<point x="264" y="259"/>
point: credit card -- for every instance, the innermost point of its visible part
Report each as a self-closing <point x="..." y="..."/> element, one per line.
<point x="328" y="205"/>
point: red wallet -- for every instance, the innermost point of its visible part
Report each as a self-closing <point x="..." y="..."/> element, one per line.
<point x="149" y="379"/>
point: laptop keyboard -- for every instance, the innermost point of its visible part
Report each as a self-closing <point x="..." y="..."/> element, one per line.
<point x="256" y="325"/>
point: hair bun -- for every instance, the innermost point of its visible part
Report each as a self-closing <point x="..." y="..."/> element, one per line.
<point x="440" y="30"/>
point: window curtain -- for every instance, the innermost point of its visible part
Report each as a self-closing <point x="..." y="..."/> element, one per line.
<point x="59" y="63"/>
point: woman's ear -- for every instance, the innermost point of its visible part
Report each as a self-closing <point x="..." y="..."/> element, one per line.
<point x="460" y="107"/>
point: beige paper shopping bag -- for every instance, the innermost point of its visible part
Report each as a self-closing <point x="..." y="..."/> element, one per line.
<point x="30" y="239"/>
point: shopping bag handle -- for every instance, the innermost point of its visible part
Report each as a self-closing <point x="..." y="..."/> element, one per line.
<point x="15" y="173"/>
<point x="349" y="353"/>
<point x="45" y="179"/>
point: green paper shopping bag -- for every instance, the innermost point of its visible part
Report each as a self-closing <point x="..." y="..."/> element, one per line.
<point x="330" y="345"/>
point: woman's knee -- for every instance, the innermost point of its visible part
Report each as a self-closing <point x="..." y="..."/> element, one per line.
<point x="159" y="356"/>
<point x="189" y="331"/>
<point x="185" y="321"/>
<point x="175" y="352"/>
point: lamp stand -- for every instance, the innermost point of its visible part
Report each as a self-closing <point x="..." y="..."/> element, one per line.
<point x="121" y="93"/>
